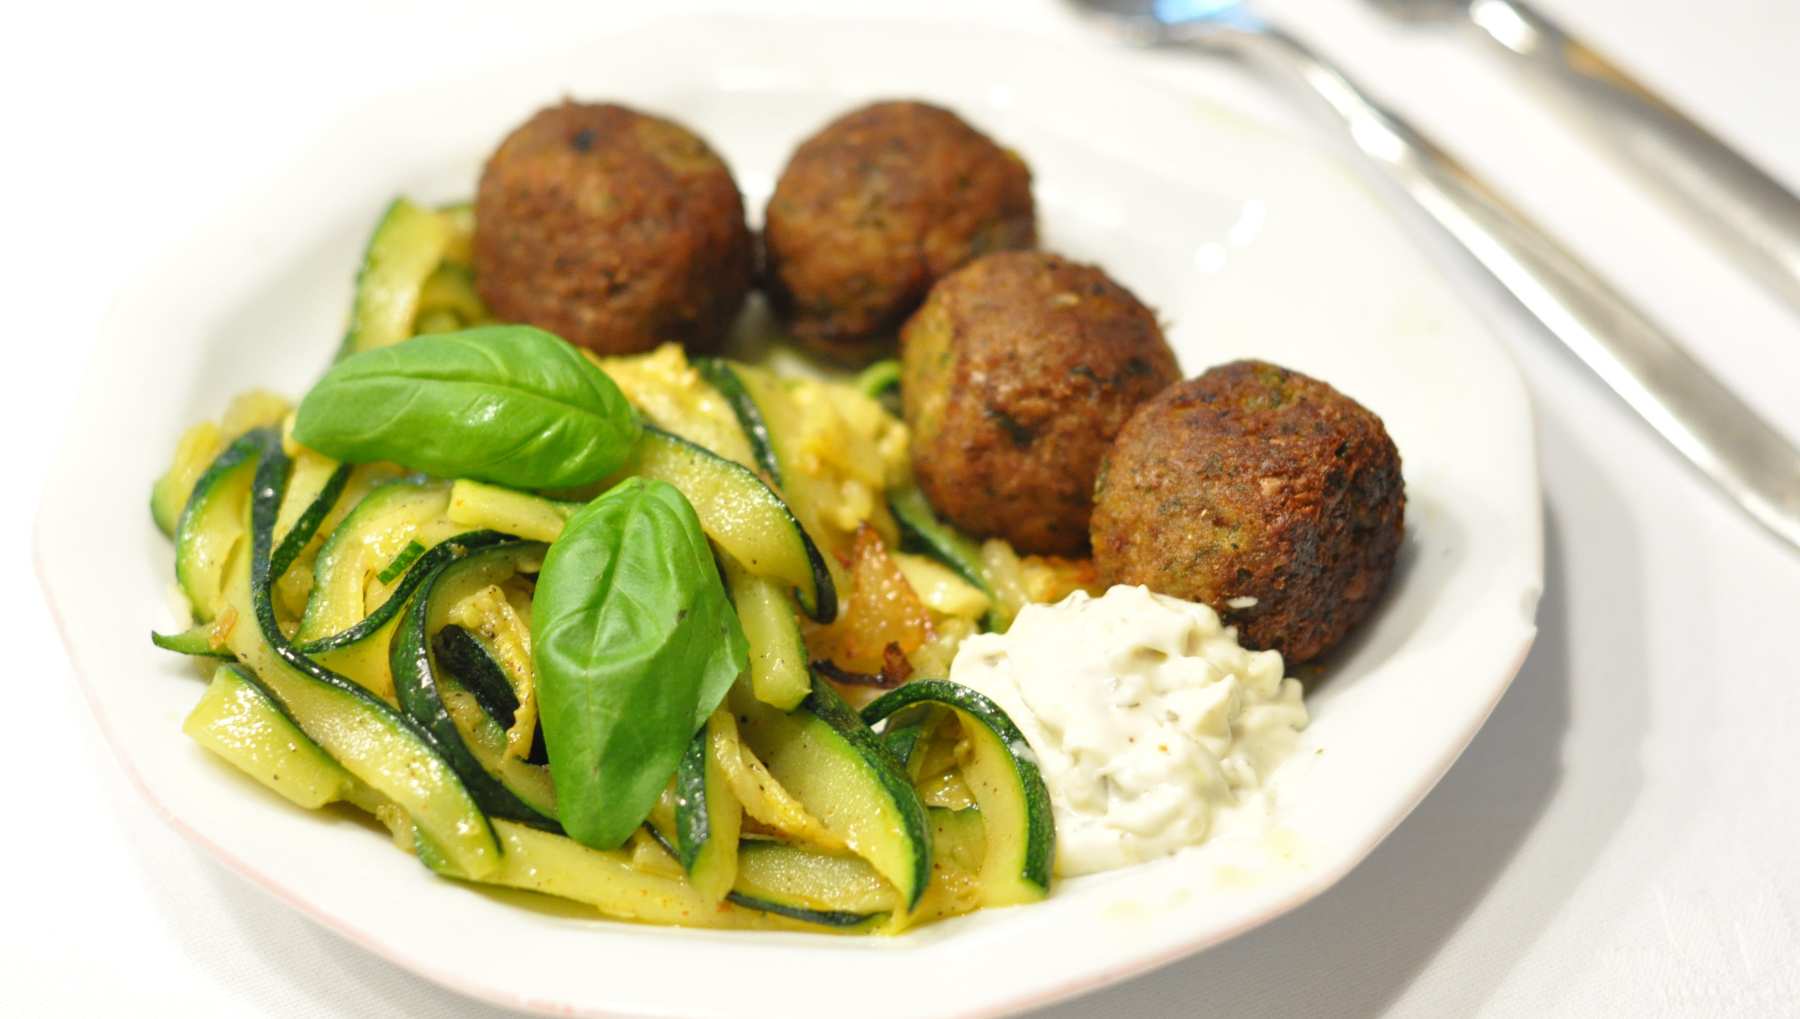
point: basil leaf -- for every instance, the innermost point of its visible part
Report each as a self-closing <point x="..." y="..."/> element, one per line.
<point x="635" y="644"/>
<point x="507" y="404"/>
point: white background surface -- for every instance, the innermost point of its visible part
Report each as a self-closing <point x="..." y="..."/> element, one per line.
<point x="1619" y="840"/>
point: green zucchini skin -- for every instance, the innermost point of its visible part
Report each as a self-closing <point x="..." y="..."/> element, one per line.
<point x="195" y="641"/>
<point x="271" y="474"/>
<point x="821" y="917"/>
<point x="798" y="747"/>
<point x="307" y="524"/>
<point x="461" y="655"/>
<point x="1035" y="843"/>
<point x="448" y="298"/>
<point x="433" y="783"/>
<point x="828" y="889"/>
<point x="493" y="508"/>
<point x="780" y="670"/>
<point x="708" y="819"/>
<point x="167" y="501"/>
<point x="242" y="722"/>
<point x="397" y="567"/>
<point x="417" y="686"/>
<point x="670" y="455"/>
<point x="922" y="531"/>
<point x="729" y="384"/>
<point x="903" y="734"/>
<point x="879" y="379"/>
<point x="718" y="373"/>
<point x="414" y="502"/>
<point x="825" y="704"/>
<point x="823" y="608"/>
<point x="406" y="245"/>
<point x="692" y="824"/>
<point x="250" y="678"/>
<point x="211" y="522"/>
<point x="435" y="558"/>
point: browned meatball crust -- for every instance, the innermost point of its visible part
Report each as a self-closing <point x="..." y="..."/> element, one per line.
<point x="613" y="229"/>
<point x="1255" y="482"/>
<point x="875" y="208"/>
<point x="1015" y="376"/>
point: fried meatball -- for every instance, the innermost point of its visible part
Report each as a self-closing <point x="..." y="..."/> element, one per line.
<point x="1268" y="495"/>
<point x="875" y="208"/>
<point x="613" y="229"/>
<point x="1016" y="374"/>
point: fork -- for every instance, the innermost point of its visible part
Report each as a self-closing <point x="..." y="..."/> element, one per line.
<point x="1705" y="421"/>
<point x="1753" y="216"/>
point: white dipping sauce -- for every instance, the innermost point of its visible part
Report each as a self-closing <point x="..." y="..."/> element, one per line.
<point x="1146" y="717"/>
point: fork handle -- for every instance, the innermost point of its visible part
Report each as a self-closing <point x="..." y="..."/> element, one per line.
<point x="1752" y="214"/>
<point x="1695" y="412"/>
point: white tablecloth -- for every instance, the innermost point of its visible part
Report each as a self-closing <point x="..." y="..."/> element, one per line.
<point x="1620" y="839"/>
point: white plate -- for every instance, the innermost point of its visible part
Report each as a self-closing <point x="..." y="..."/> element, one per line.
<point x="1248" y="243"/>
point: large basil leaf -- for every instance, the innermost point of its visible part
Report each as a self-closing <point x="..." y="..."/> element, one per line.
<point x="635" y="644"/>
<point x="508" y="404"/>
